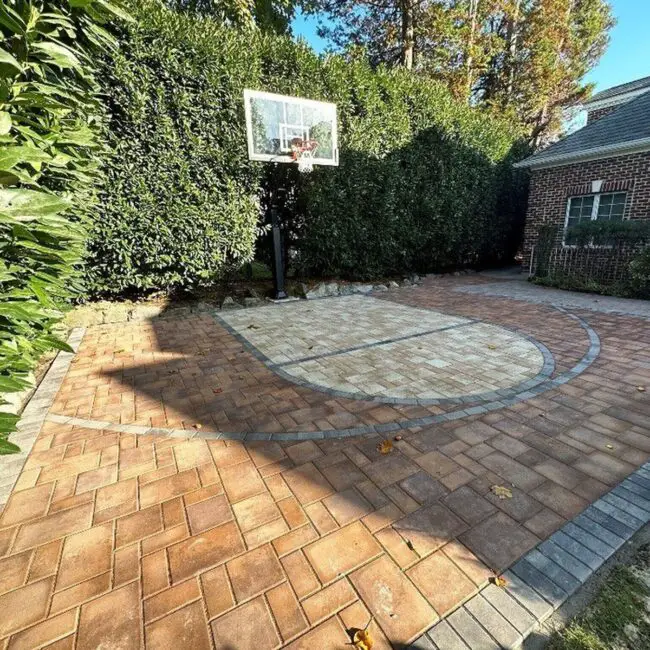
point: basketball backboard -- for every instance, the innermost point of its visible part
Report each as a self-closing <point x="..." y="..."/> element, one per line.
<point x="276" y="122"/>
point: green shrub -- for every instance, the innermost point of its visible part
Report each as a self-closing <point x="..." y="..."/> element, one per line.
<point x="180" y="198"/>
<point x="49" y="123"/>
<point x="608" y="233"/>
<point x="640" y="274"/>
<point x="424" y="182"/>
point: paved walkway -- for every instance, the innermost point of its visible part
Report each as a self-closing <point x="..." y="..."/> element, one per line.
<point x="521" y="289"/>
<point x="184" y="492"/>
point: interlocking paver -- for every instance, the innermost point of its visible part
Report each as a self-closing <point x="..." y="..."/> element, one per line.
<point x="499" y="541"/>
<point x="248" y="627"/>
<point x="400" y="609"/>
<point x="341" y="552"/>
<point x="442" y="583"/>
<point x="227" y="539"/>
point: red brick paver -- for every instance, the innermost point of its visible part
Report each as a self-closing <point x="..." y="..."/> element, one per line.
<point x="115" y="539"/>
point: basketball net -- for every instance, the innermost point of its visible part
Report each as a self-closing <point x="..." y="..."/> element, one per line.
<point x="302" y="151"/>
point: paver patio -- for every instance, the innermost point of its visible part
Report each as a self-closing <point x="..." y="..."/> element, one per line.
<point x="186" y="490"/>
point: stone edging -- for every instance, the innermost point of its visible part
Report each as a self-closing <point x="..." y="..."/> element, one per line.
<point x="391" y="427"/>
<point x="34" y="414"/>
<point x="541" y="581"/>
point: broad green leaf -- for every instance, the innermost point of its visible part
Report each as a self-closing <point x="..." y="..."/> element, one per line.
<point x="12" y="156"/>
<point x="8" y="59"/>
<point x="5" y="122"/>
<point x="116" y="10"/>
<point x="11" y="19"/>
<point x="8" y="422"/>
<point x="7" y="447"/>
<point x="57" y="343"/>
<point x="25" y="205"/>
<point x="58" y="54"/>
<point x="12" y="384"/>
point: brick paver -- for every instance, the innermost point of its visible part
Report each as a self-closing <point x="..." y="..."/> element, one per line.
<point x="133" y="539"/>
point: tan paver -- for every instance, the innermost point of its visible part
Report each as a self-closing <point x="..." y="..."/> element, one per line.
<point x="341" y="552"/>
<point x="400" y="609"/>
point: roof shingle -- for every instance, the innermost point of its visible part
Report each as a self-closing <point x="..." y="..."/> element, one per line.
<point x="627" y="125"/>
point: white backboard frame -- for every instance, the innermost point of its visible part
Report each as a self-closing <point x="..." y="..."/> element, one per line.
<point x="285" y="129"/>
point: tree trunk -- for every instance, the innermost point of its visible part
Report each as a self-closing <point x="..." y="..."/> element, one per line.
<point x="513" y="34"/>
<point x="473" y="10"/>
<point x="408" y="34"/>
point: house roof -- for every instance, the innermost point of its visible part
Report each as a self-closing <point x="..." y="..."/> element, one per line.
<point x="637" y="86"/>
<point x="625" y="130"/>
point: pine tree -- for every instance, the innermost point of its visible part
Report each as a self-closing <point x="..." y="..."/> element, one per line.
<point x="524" y="58"/>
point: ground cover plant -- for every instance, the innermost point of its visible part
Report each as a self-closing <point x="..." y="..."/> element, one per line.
<point x="618" y="616"/>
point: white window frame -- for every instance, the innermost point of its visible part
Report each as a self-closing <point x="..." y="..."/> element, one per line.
<point x="594" y="213"/>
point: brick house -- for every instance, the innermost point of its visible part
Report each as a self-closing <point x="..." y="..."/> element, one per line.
<point x="601" y="171"/>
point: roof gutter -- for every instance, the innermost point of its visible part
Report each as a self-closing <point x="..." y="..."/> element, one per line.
<point x="597" y="153"/>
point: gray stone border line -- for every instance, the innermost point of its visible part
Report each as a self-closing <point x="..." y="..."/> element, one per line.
<point x="543" y="579"/>
<point x="391" y="427"/>
<point x="33" y="416"/>
<point x="544" y="374"/>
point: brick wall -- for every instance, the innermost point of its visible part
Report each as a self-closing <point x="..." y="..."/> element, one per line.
<point x="597" y="113"/>
<point x="550" y="189"/>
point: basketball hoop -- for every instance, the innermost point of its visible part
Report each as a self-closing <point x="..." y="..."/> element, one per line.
<point x="302" y="151"/>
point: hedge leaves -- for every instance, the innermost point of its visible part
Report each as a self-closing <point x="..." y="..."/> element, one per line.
<point x="49" y="146"/>
<point x="424" y="182"/>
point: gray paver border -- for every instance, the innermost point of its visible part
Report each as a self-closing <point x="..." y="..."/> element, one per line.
<point x="543" y="579"/>
<point x="34" y="414"/>
<point x="391" y="427"/>
<point x="546" y="372"/>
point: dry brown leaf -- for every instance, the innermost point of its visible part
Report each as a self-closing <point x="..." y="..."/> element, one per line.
<point x="641" y="389"/>
<point x="216" y="391"/>
<point x="362" y="640"/>
<point x="409" y="543"/>
<point x="501" y="491"/>
<point x="385" y="447"/>
<point x="499" y="581"/>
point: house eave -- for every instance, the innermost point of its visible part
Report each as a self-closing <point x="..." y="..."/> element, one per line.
<point x="596" y="153"/>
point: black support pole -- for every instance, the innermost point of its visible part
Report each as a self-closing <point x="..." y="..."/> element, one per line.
<point x="279" y="292"/>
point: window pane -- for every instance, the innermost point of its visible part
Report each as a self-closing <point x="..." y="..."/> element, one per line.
<point x="619" y="199"/>
<point x="606" y="200"/>
<point x="587" y="201"/>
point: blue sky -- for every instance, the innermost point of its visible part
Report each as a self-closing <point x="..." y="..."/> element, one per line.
<point x="627" y="58"/>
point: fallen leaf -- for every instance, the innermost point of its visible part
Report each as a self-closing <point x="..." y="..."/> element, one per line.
<point x="385" y="447"/>
<point x="610" y="446"/>
<point x="197" y="426"/>
<point x="499" y="581"/>
<point x="397" y="438"/>
<point x="120" y="350"/>
<point x="216" y="391"/>
<point x="501" y="491"/>
<point x="491" y="346"/>
<point x="362" y="640"/>
<point x="641" y="389"/>
<point x="409" y="543"/>
<point x="252" y="326"/>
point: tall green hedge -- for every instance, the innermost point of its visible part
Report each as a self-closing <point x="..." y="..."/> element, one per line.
<point x="50" y="143"/>
<point x="423" y="183"/>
